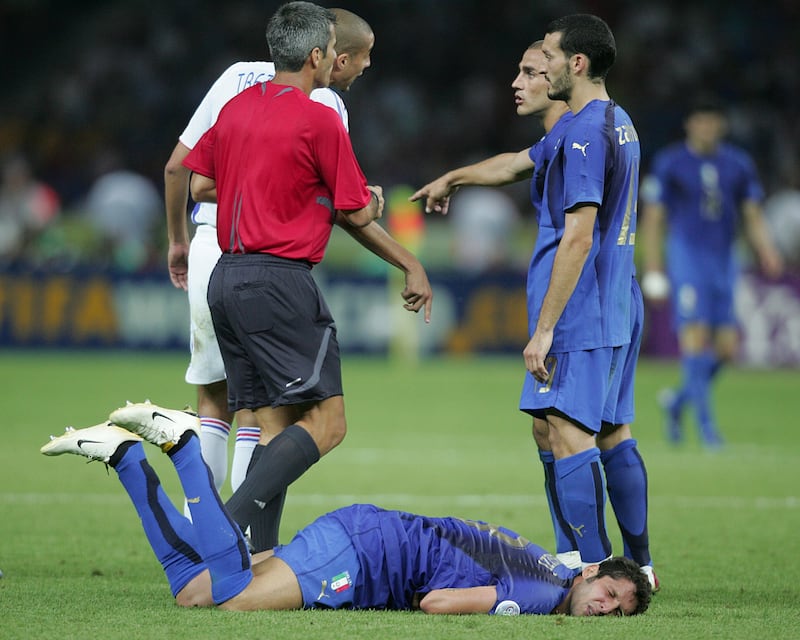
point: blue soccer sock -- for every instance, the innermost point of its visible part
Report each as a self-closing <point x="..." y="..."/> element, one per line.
<point x="581" y="491"/>
<point x="219" y="539"/>
<point x="565" y="538"/>
<point x="698" y="370"/>
<point x="170" y="534"/>
<point x="626" y="482"/>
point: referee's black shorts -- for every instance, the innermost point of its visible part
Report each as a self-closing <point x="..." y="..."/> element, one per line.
<point x="275" y="332"/>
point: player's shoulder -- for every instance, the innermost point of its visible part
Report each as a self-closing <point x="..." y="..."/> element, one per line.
<point x="238" y="77"/>
<point x="735" y="153"/>
<point x="675" y="151"/>
<point x="249" y="66"/>
<point x="332" y="100"/>
<point x="326" y="108"/>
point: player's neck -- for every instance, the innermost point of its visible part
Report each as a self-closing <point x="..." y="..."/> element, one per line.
<point x="563" y="608"/>
<point x="584" y="92"/>
<point x="702" y="148"/>
<point x="300" y="79"/>
<point x="553" y="115"/>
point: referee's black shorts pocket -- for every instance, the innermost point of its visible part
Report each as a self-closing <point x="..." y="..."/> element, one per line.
<point x="255" y="308"/>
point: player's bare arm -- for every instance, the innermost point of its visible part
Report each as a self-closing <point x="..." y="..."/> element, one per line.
<point x="176" y="194"/>
<point x="470" y="600"/>
<point x="499" y="170"/>
<point x="417" y="293"/>
<point x="769" y="259"/>
<point x="567" y="266"/>
<point x="203" y="189"/>
<point x="655" y="284"/>
<point x="373" y="210"/>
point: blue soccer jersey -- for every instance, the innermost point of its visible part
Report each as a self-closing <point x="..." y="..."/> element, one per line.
<point x="541" y="155"/>
<point x="702" y="196"/>
<point x="402" y="556"/>
<point x="596" y="161"/>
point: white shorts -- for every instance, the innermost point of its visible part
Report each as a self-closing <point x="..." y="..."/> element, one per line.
<point x="206" y="364"/>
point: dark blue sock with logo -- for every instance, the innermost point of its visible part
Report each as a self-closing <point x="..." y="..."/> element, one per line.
<point x="582" y="495"/>
<point x="565" y="539"/>
<point x="219" y="539"/>
<point x="169" y="532"/>
<point x="626" y="482"/>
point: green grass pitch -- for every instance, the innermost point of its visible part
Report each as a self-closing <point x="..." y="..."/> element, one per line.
<point x="442" y="437"/>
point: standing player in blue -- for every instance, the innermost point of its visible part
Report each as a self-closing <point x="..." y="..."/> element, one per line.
<point x="701" y="189"/>
<point x="359" y="557"/>
<point x="582" y="305"/>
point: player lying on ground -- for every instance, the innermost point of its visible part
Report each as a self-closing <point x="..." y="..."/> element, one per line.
<point x="360" y="557"/>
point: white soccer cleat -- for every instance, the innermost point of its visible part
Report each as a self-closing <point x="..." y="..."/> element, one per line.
<point x="96" y="443"/>
<point x="162" y="427"/>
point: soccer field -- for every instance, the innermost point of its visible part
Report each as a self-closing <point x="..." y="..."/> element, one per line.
<point x="442" y="438"/>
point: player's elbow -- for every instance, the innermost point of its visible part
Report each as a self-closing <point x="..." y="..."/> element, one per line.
<point x="579" y="245"/>
<point x="437" y="602"/>
<point x="203" y="189"/>
<point x="433" y="605"/>
<point x="174" y="169"/>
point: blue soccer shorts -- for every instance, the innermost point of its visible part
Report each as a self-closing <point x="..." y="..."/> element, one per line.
<point x="324" y="560"/>
<point x="577" y="388"/>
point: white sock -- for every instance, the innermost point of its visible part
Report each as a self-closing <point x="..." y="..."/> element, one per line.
<point x="214" y="444"/>
<point x="570" y="558"/>
<point x="246" y="441"/>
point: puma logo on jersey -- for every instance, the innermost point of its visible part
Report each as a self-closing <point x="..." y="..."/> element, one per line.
<point x="579" y="529"/>
<point x="581" y="148"/>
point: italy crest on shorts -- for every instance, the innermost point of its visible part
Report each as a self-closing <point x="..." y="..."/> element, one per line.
<point x="341" y="582"/>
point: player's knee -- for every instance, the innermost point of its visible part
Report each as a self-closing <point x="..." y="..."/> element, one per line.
<point x="328" y="431"/>
<point x="336" y="430"/>
<point x="197" y="593"/>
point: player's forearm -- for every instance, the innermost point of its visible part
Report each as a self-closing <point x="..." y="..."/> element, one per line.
<point x="567" y="267"/>
<point x="176" y="194"/>
<point x="760" y="239"/>
<point x="453" y="601"/>
<point x="203" y="189"/>
<point x="377" y="240"/>
<point x="756" y="228"/>
<point x="496" y="171"/>
<point x="652" y="236"/>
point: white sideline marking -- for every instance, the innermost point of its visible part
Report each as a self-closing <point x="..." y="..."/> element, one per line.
<point x="412" y="500"/>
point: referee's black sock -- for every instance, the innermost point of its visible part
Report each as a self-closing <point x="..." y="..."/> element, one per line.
<point x="265" y="526"/>
<point x="286" y="458"/>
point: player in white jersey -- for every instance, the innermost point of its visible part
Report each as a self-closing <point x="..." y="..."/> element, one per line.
<point x="190" y="265"/>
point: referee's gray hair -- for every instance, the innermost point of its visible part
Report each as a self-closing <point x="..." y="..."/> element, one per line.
<point x="295" y="30"/>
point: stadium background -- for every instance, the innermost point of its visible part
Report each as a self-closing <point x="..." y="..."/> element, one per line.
<point x="443" y="437"/>
<point x="95" y="81"/>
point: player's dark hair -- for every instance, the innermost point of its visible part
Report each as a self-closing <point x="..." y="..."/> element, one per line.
<point x="295" y="30"/>
<point x="621" y="568"/>
<point x="705" y="103"/>
<point x="587" y="34"/>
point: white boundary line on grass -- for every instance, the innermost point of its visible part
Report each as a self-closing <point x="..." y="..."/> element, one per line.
<point x="408" y="500"/>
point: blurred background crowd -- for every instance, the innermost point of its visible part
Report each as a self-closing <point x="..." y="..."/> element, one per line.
<point x="95" y="93"/>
